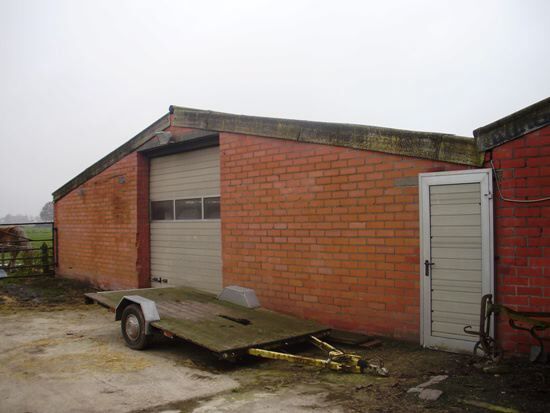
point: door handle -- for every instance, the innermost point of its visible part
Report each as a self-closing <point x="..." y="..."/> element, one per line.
<point x="427" y="265"/>
<point x="159" y="279"/>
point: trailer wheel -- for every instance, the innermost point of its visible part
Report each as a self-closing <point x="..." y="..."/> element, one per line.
<point x="132" y="325"/>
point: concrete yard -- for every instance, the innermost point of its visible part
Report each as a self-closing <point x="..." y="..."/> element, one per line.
<point x="72" y="360"/>
<point x="58" y="355"/>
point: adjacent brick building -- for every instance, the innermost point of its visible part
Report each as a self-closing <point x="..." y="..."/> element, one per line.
<point x="322" y="220"/>
<point x="519" y="148"/>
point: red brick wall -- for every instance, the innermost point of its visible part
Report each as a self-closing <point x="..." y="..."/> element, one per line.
<point x="522" y="231"/>
<point x="323" y="232"/>
<point x="103" y="227"/>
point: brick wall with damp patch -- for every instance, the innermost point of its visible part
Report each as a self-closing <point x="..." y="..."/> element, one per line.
<point x="103" y="227"/>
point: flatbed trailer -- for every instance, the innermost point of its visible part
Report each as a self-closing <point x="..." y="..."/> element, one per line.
<point x="228" y="330"/>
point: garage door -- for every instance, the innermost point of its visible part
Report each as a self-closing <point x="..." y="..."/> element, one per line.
<point x="185" y="220"/>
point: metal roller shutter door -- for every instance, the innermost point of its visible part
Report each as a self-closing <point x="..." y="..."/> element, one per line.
<point x="186" y="252"/>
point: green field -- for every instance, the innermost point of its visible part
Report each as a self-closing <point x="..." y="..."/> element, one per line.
<point x="39" y="234"/>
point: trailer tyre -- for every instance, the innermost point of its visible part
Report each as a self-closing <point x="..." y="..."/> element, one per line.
<point x="133" y="328"/>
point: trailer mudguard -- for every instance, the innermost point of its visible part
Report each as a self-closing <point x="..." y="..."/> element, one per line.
<point x="148" y="308"/>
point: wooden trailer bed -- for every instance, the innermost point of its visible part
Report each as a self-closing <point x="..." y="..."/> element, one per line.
<point x="219" y="326"/>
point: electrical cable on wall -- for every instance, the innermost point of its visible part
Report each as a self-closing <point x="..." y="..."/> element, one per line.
<point x="523" y="201"/>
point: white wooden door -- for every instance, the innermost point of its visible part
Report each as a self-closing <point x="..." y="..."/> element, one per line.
<point x="456" y="266"/>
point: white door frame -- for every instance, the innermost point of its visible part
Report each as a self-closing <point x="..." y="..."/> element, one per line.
<point x="425" y="180"/>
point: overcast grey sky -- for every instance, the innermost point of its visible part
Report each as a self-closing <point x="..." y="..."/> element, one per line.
<point x="78" y="78"/>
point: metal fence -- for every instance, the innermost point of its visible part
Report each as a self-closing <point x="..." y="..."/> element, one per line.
<point x="27" y="249"/>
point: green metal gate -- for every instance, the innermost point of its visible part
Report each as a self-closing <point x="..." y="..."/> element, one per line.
<point x="27" y="249"/>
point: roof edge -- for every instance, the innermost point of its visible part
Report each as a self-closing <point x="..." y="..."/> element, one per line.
<point x="426" y="145"/>
<point x="113" y="157"/>
<point x="513" y="126"/>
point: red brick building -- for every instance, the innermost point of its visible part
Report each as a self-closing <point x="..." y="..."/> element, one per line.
<point x="370" y="229"/>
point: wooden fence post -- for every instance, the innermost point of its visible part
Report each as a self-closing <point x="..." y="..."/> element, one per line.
<point x="45" y="260"/>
